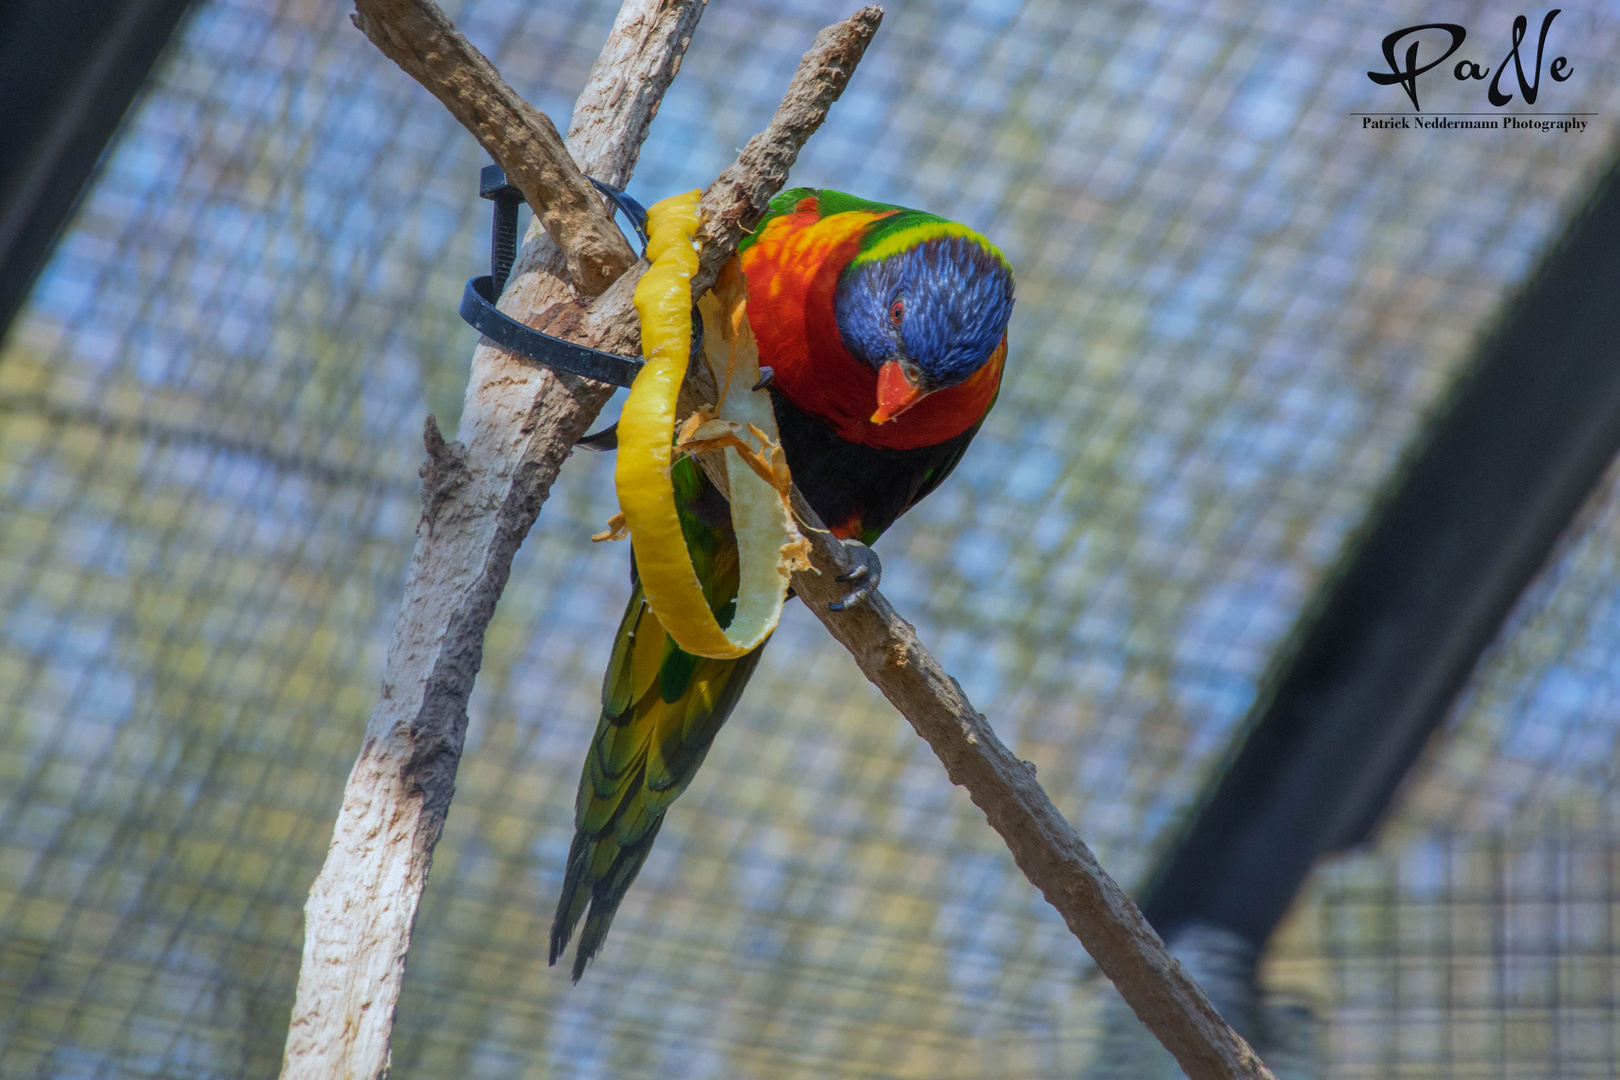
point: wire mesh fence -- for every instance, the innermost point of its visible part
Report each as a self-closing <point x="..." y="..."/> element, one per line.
<point x="1490" y="954"/>
<point x="1235" y="306"/>
<point x="1480" y="936"/>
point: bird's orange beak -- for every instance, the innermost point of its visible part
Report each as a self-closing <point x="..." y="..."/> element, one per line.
<point x="895" y="392"/>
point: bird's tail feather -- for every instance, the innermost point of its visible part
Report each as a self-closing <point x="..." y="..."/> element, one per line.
<point x="661" y="709"/>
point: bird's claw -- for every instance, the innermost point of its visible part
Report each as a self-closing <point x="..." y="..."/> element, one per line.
<point x="865" y="574"/>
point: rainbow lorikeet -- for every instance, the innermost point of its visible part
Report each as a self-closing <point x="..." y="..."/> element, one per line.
<point x="884" y="331"/>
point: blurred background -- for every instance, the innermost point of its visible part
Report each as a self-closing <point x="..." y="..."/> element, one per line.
<point x="1238" y="311"/>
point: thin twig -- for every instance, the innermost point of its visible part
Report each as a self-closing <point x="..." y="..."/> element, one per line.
<point x="737" y="199"/>
<point x="419" y="37"/>
<point x="1043" y="844"/>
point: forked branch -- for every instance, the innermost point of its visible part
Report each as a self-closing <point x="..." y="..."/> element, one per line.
<point x="482" y="493"/>
<point x="517" y="427"/>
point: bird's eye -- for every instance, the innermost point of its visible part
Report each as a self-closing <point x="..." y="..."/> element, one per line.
<point x="896" y="311"/>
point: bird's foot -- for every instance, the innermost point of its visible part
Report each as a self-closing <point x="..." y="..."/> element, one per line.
<point x="866" y="573"/>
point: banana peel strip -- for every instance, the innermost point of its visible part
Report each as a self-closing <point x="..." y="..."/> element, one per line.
<point x="742" y="427"/>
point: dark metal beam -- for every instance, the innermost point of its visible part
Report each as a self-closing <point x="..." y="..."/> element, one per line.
<point x="68" y="72"/>
<point x="1439" y="565"/>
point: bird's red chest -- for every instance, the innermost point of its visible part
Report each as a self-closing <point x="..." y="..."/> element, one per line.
<point x="792" y="269"/>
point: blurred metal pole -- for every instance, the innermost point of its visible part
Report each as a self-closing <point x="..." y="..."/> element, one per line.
<point x="1442" y="559"/>
<point x="68" y="72"/>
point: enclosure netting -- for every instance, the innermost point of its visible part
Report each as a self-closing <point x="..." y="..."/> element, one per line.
<point x="1235" y="306"/>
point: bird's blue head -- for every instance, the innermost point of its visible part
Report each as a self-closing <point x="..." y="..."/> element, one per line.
<point x="925" y="302"/>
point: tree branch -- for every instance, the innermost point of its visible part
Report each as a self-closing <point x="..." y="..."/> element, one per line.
<point x="480" y="500"/>
<point x="480" y="497"/>
<point x="419" y="37"/>
<point x="737" y="199"/>
<point x="1043" y="844"/>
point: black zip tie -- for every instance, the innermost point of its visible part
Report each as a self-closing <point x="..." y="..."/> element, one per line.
<point x="492" y="185"/>
<point x="478" y="308"/>
<point x="634" y="211"/>
<point x="479" y="311"/>
<point x="478" y="299"/>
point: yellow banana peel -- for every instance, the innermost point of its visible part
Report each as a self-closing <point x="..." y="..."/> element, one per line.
<point x="742" y="427"/>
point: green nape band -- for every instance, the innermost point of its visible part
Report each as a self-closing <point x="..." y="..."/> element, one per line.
<point x="911" y="227"/>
